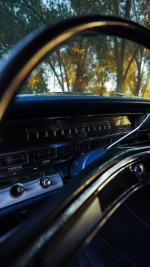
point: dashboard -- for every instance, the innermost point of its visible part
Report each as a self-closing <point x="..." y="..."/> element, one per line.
<point x="37" y="153"/>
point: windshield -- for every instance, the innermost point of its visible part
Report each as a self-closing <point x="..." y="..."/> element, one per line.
<point x="97" y="65"/>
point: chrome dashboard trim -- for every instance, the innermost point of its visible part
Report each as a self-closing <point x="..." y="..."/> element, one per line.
<point x="31" y="189"/>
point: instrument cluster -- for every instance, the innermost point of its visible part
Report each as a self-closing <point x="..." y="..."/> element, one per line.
<point x="35" y="154"/>
<point x="51" y="130"/>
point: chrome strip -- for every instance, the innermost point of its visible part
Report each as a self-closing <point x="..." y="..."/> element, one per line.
<point x="31" y="189"/>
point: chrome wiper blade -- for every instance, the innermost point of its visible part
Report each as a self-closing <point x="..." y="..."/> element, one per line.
<point x="134" y="131"/>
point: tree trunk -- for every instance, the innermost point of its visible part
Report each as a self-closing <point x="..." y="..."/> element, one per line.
<point x="120" y="49"/>
<point x="139" y="74"/>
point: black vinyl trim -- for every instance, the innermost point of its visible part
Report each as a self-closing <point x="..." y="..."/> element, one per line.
<point x="40" y="107"/>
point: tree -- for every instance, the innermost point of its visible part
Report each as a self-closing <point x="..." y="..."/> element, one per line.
<point x="35" y="83"/>
<point x="84" y="64"/>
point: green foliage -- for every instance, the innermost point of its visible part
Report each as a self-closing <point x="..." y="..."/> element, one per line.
<point x="96" y="65"/>
<point x="35" y="83"/>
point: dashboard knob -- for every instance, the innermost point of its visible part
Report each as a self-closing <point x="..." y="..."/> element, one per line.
<point x="139" y="170"/>
<point x="45" y="182"/>
<point x="17" y="190"/>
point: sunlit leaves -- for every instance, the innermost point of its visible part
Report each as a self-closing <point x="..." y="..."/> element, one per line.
<point x="35" y="83"/>
<point x="98" y="65"/>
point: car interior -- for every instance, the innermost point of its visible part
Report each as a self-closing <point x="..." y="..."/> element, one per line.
<point x="74" y="165"/>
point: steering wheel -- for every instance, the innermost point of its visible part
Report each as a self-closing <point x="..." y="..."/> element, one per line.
<point x="85" y="204"/>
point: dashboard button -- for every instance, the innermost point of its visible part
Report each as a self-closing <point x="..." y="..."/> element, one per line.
<point x="54" y="132"/>
<point x="139" y="171"/>
<point x="46" y="133"/>
<point x="45" y="182"/>
<point x="37" y="135"/>
<point x="62" y="132"/>
<point x="76" y="130"/>
<point x="17" y="190"/>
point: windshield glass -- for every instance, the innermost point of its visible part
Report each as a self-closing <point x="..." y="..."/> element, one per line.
<point x="93" y="66"/>
<point x="98" y="65"/>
